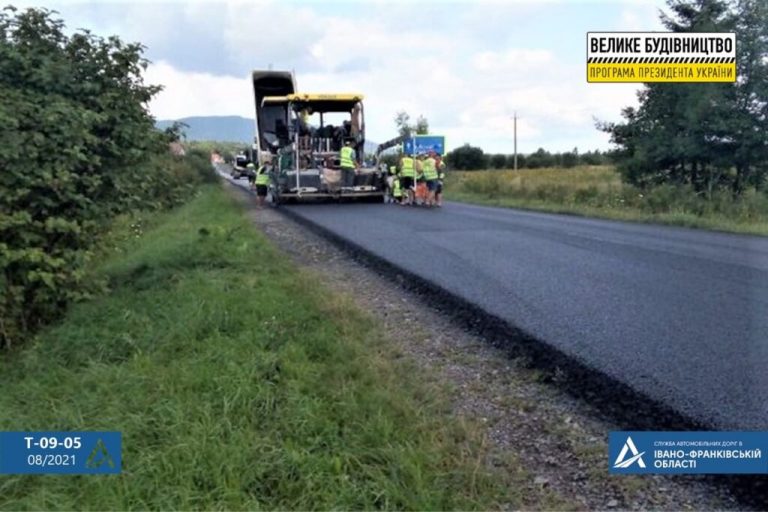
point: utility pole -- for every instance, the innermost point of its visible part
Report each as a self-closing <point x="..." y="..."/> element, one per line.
<point x="515" y="130"/>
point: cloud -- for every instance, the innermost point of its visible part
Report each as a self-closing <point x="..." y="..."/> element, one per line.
<point x="465" y="66"/>
<point x="188" y="93"/>
<point x="642" y="17"/>
<point x="358" y="64"/>
<point x="513" y="59"/>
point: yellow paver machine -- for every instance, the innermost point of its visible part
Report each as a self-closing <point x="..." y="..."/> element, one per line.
<point x="301" y="136"/>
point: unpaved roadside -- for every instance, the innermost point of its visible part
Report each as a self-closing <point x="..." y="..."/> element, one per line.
<point x="559" y="441"/>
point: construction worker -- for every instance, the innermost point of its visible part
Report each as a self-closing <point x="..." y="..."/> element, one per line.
<point x="262" y="184"/>
<point x="421" y="187"/>
<point x="348" y="164"/>
<point x="397" y="191"/>
<point x="407" y="177"/>
<point x="430" y="178"/>
<point x="392" y="174"/>
<point x="440" y="179"/>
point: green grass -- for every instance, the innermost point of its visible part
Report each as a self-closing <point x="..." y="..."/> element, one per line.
<point x="238" y="383"/>
<point x="597" y="191"/>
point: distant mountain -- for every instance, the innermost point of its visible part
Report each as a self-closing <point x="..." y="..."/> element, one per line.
<point x="225" y="129"/>
<point x="221" y="128"/>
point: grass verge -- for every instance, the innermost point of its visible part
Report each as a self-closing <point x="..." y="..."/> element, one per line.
<point x="597" y="191"/>
<point x="238" y="383"/>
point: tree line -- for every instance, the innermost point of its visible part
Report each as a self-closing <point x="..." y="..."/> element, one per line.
<point x="472" y="158"/>
<point x="77" y="148"/>
<point x="708" y="136"/>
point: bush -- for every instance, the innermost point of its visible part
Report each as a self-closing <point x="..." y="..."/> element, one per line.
<point x="569" y="159"/>
<point x="498" y="161"/>
<point x="593" y="158"/>
<point x="78" y="147"/>
<point x="587" y="196"/>
<point x="199" y="164"/>
<point x="541" y="158"/>
<point x="520" y="161"/>
<point x="466" y="158"/>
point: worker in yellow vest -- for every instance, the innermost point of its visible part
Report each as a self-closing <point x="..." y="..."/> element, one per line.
<point x="407" y="177"/>
<point x="348" y="164"/>
<point x="397" y="191"/>
<point x="262" y="184"/>
<point x="391" y="183"/>
<point x="429" y="169"/>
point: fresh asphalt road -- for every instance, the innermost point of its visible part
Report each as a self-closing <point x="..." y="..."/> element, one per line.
<point x="679" y="315"/>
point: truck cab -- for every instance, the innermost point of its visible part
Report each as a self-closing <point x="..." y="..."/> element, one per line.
<point x="240" y="164"/>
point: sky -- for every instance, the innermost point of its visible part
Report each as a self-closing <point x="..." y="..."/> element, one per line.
<point x="465" y="66"/>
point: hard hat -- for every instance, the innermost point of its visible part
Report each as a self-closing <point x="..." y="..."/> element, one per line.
<point x="250" y="166"/>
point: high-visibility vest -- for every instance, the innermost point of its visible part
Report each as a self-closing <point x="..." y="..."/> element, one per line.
<point x="262" y="176"/>
<point x="346" y="158"/>
<point x="407" y="168"/>
<point x="396" y="190"/>
<point x="430" y="173"/>
<point x="392" y="169"/>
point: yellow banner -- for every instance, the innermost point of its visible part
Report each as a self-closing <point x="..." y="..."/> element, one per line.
<point x="658" y="72"/>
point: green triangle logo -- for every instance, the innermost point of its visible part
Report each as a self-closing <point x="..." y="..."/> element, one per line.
<point x="99" y="455"/>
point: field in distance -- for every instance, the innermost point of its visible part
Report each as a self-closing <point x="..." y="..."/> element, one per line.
<point x="597" y="191"/>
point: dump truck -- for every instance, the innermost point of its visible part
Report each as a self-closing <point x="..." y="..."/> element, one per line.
<point x="300" y="136"/>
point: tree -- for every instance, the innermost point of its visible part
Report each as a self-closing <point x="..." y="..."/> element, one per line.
<point x="695" y="134"/>
<point x="592" y="158"/>
<point x="570" y="158"/>
<point x="466" y="158"/>
<point x="402" y="122"/>
<point x="422" y="126"/>
<point x="77" y="147"/>
<point x="406" y="129"/>
<point x="541" y="158"/>
<point x="521" y="162"/>
<point x="750" y="116"/>
<point x="498" y="161"/>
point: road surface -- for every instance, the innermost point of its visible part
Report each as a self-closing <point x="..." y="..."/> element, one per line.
<point x="679" y="315"/>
